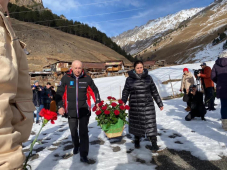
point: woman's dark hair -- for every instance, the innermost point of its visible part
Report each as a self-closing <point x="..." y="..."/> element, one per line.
<point x="138" y="62"/>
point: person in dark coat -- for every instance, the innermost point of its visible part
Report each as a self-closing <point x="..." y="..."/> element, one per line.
<point x="141" y="90"/>
<point x="219" y="76"/>
<point x="71" y="98"/>
<point x="47" y="96"/>
<point x="197" y="106"/>
<point x="37" y="99"/>
<point x="208" y="86"/>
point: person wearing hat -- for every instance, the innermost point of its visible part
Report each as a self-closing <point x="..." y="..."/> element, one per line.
<point x="186" y="82"/>
<point x="197" y="106"/>
<point x="219" y="76"/>
<point x="37" y="99"/>
<point x="16" y="106"/>
<point x="208" y="86"/>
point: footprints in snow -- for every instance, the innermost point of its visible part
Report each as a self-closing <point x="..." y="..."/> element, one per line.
<point x="173" y="136"/>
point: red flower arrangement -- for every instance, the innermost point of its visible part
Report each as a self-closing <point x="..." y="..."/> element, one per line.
<point x="48" y="116"/>
<point x="110" y="112"/>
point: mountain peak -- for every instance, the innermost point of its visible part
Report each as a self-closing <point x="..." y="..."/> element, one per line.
<point x="33" y="4"/>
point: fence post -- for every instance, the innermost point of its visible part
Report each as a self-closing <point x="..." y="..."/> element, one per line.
<point x="171" y="85"/>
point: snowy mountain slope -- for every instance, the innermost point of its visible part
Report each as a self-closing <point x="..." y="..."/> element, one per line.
<point x="205" y="140"/>
<point x="153" y="29"/>
<point x="184" y="44"/>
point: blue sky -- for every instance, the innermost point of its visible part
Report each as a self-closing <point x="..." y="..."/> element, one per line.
<point x="116" y="16"/>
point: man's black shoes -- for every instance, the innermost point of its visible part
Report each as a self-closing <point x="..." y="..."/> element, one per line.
<point x="75" y="151"/>
<point x="84" y="159"/>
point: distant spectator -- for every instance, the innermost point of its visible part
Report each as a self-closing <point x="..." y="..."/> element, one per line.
<point x="53" y="106"/>
<point x="197" y="106"/>
<point x="37" y="99"/>
<point x="219" y="76"/>
<point x="47" y="96"/>
<point x="208" y="86"/>
<point x="186" y="82"/>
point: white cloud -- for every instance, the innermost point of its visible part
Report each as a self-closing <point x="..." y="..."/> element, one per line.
<point x="59" y="5"/>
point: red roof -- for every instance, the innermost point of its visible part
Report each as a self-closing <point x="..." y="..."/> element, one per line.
<point x="94" y="65"/>
<point x="149" y="63"/>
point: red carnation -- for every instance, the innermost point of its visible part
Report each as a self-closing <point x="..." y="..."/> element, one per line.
<point x="48" y="115"/>
<point x="94" y="108"/>
<point x="104" y="107"/>
<point x="120" y="102"/>
<point x="98" y="112"/>
<point x="113" y="98"/>
<point x="116" y="112"/>
<point x="122" y="107"/>
<point x="127" y="107"/>
<point x="109" y="97"/>
<point x="107" y="112"/>
<point x="114" y="104"/>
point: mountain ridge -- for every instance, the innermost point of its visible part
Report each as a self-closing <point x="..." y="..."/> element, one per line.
<point x="152" y="28"/>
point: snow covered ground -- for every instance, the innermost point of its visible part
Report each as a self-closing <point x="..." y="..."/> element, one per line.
<point x="205" y="140"/>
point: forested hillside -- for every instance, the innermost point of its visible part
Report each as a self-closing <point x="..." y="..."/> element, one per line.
<point x="47" y="18"/>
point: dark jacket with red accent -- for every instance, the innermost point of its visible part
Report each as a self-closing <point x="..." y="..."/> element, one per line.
<point x="72" y="94"/>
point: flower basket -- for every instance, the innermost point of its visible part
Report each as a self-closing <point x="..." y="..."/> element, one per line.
<point x="114" y="130"/>
<point x="111" y="117"/>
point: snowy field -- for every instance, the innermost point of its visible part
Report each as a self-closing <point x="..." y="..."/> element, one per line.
<point x="205" y="140"/>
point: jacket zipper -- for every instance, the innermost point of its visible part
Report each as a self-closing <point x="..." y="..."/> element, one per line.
<point x="77" y="97"/>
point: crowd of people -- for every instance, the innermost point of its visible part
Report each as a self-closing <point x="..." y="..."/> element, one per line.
<point x="43" y="97"/>
<point x="197" y="105"/>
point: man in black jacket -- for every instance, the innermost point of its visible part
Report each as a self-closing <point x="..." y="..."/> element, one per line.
<point x="37" y="99"/>
<point x="47" y="95"/>
<point x="197" y="106"/>
<point x="71" y="99"/>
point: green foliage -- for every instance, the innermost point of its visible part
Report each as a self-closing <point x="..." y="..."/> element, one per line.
<point x="47" y="18"/>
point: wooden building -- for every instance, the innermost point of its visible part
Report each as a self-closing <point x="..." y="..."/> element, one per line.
<point x="114" y="66"/>
<point x="161" y="63"/>
<point x="94" y="67"/>
<point x="149" y="64"/>
<point x="129" y="66"/>
<point x="59" y="66"/>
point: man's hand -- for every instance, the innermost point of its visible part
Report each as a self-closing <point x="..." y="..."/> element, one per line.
<point x="199" y="75"/>
<point x="61" y="111"/>
<point x="161" y="108"/>
<point x="97" y="105"/>
<point x="33" y="88"/>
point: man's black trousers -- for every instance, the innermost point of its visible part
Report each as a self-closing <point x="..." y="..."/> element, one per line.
<point x="209" y="97"/>
<point x="81" y="140"/>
